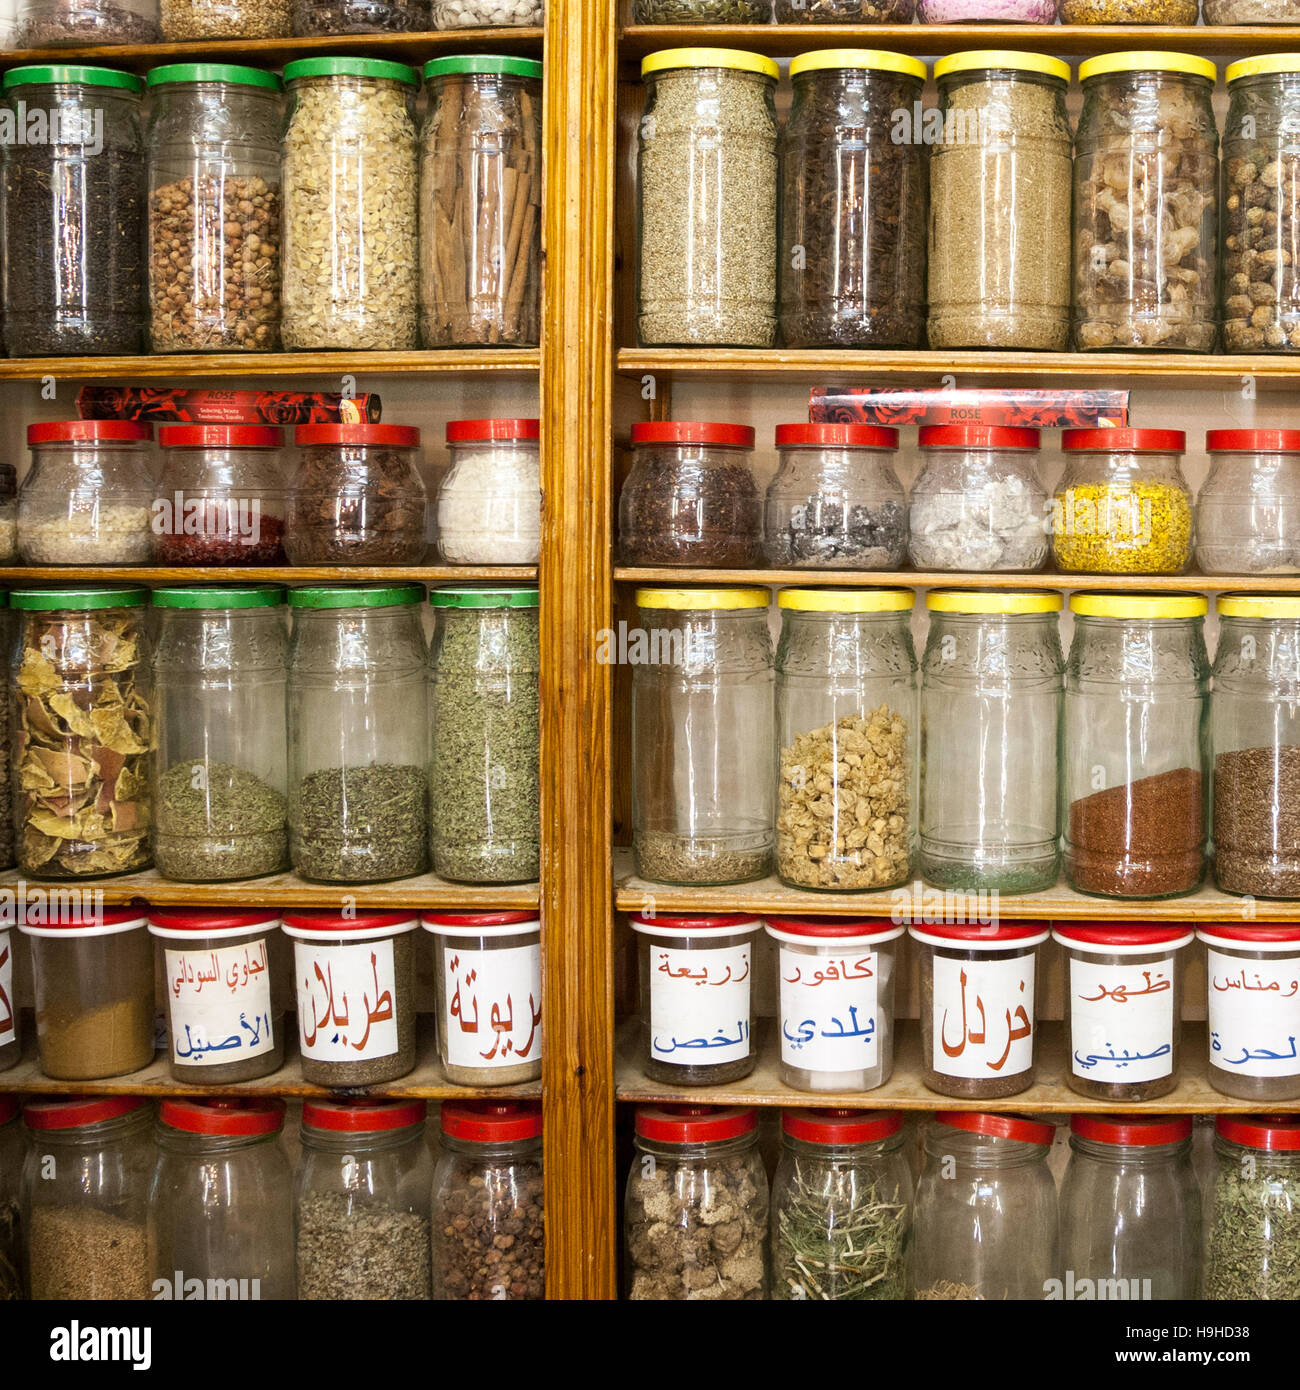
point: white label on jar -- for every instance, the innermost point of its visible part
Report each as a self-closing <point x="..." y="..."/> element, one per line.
<point x="347" y="1000"/>
<point x="8" y="1005"/>
<point x="699" y="1005"/>
<point x="1122" y="1027"/>
<point x="983" y="1017"/>
<point x="494" y="1006"/>
<point x="828" y="1011"/>
<point x="221" y="1004"/>
<point x="1254" y="1014"/>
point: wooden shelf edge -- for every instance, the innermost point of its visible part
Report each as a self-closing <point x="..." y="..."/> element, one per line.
<point x="269" y="574"/>
<point x="506" y="361"/>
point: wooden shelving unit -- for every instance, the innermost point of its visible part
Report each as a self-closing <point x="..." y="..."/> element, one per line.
<point x="947" y="579"/>
<point x="269" y="574"/>
<point x="198" y="366"/>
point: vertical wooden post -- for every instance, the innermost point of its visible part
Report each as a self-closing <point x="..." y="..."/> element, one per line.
<point x="577" y="362"/>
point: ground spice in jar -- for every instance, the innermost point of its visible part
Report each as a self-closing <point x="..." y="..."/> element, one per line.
<point x="1256" y="799"/>
<point x="360" y="824"/>
<point x="81" y="1253"/>
<point x="231" y="826"/>
<point x="347" y="1251"/>
<point x="78" y="1042"/>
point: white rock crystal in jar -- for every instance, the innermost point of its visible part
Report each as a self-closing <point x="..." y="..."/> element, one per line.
<point x="87" y="535"/>
<point x="486" y="14"/>
<point x="490" y="506"/>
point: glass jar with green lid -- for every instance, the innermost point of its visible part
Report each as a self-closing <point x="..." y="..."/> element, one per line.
<point x="220" y="771"/>
<point x="484" y="792"/>
<point x="82" y="721"/>
<point x="358" y="731"/>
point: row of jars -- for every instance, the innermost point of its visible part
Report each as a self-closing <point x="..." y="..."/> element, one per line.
<point x="979" y="977"/>
<point x="1122" y="505"/>
<point x="843" y="1219"/>
<point x="972" y="206"/>
<point x="225" y="749"/>
<point x="97" y="493"/>
<point x="1081" y="12"/>
<point x="231" y="225"/>
<point x="228" y="976"/>
<point x="1009" y="762"/>
<point x="102" y="1199"/>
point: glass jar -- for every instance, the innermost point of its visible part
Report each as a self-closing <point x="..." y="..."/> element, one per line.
<point x="7" y="759"/>
<point x="843" y="11"/>
<point x="846" y="717"/>
<point x="1122" y="506"/>
<point x="1248" y="509"/>
<point x="999" y="251"/>
<point x="702" y="11"/>
<point x="1134" y="745"/>
<point x="86" y="1196"/>
<point x="8" y="514"/>
<point x="836" y="502"/>
<point x="1130" y="1209"/>
<point x="13" y="1270"/>
<point x="835" y="970"/>
<point x="1251" y="12"/>
<point x="235" y="1030"/>
<point x="488" y="1230"/>
<point x="686" y="1037"/>
<point x="841" y="1207"/>
<point x="74" y="211"/>
<point x="183" y="20"/>
<point x="978" y="503"/>
<point x="484" y="773"/>
<point x="221" y="498"/>
<point x="86" y="498"/>
<point x="990" y="970"/>
<point x="313" y="17"/>
<point x="1253" y="1221"/>
<point x="214" y="209"/>
<point x="11" y="1033"/>
<point x="1123" y="1008"/>
<point x="349" y="187"/>
<point x="369" y="956"/>
<point x="361" y="1201"/>
<point x="219" y="775"/>
<point x="690" y="497"/>
<point x="86" y="23"/>
<point x="1253" y="1041"/>
<point x="1255" y="735"/>
<point x="1171" y="12"/>
<point x="484" y="959"/>
<point x="976" y="11"/>
<point x="991" y="682"/>
<point x="82" y="726"/>
<point x="490" y="500"/>
<point x="8" y="24"/>
<point x="853" y="202"/>
<point x="221" y="1201"/>
<point x="703" y="739"/>
<point x="356" y="497"/>
<point x="487" y="14"/>
<point x="707" y="200"/>
<point x="481" y="203"/>
<point x="696" y="1210"/>
<point x="1145" y="194"/>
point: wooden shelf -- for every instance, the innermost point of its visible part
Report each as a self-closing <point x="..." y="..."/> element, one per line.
<point x="271" y="574"/>
<point x="939" y="579"/>
<point x="905" y="1090"/>
<point x="507" y="362"/>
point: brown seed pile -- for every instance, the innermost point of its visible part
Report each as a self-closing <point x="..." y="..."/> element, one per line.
<point x="1261" y="304"/>
<point x="1257" y="821"/>
<point x="225" y="19"/>
<point x="490" y="1242"/>
<point x="81" y="1253"/>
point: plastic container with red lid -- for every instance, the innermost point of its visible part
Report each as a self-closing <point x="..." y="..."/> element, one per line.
<point x="10" y="1016"/>
<point x="1252" y="1247"/>
<point x="1248" y="508"/>
<point x="489" y="507"/>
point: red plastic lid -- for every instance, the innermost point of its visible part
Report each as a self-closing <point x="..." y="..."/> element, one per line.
<point x="694" y="1124"/>
<point x="974" y="931"/>
<point x="1261" y="1131"/>
<point x="201" y="920"/>
<point x="220" y="436"/>
<point x="1122" y="934"/>
<point x="462" y="431"/>
<point x="840" y="1126"/>
<point x="978" y="437"/>
<point x="692" y="432"/>
<point x="56" y="431"/>
<point x="1262" y="441"/>
<point x="323" y="919"/>
<point x="1140" y="1130"/>
<point x="998" y="1126"/>
<point x="53" y="916"/>
<point x="399" y="436"/>
<point x="1277" y="932"/>
<point x="1114" y="441"/>
<point x="492" y="1121"/>
<point x="8" y="1108"/>
<point x="715" y="921"/>
<point x="477" y="919"/>
<point x="846" y="436"/>
<point x="72" y="1112"/>
<point x="833" y="926"/>
<point x="363" y="1116"/>
<point x="233" y="1116"/>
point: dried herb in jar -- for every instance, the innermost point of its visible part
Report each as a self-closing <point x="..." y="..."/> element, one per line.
<point x="1257" y="821"/>
<point x="348" y="1250"/>
<point x="360" y="824"/>
<point x="1253" y="1250"/>
<point x="356" y="505"/>
<point x="679" y="509"/>
<point x="231" y="825"/>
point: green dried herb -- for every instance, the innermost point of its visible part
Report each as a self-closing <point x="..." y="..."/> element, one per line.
<point x="218" y="821"/>
<point x="1254" y="1244"/>
<point x="359" y="824"/>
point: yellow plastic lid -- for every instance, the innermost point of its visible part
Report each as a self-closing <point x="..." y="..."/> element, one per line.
<point x="1140" y="605"/>
<point x="847" y="600"/>
<point x="1273" y="62"/>
<point x="668" y="58"/>
<point x="1259" y="605"/>
<point x="702" y="598"/>
<point x="875" y="59"/>
<point x="977" y="59"/>
<point x="1148" y="60"/>
<point x="992" y="601"/>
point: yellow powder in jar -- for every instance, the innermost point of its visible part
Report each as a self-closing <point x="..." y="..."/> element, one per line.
<point x="1122" y="528"/>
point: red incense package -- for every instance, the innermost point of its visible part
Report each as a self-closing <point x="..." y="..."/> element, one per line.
<point x="1048" y="410"/>
<point x="226" y="407"/>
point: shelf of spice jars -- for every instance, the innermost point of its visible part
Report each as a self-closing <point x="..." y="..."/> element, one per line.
<point x="271" y="574"/>
<point x="905" y="1090"/>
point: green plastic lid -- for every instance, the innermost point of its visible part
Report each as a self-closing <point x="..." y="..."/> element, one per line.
<point x="483" y="63"/>
<point x="45" y="600"/>
<point x="351" y="67"/>
<point x="355" y="595"/>
<point x="212" y="72"/>
<point x="464" y="596"/>
<point x="94" y="77"/>
<point x="237" y="596"/>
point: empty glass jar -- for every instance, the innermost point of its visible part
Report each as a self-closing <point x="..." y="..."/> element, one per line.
<point x="1248" y="509"/>
<point x="1254" y="1209"/>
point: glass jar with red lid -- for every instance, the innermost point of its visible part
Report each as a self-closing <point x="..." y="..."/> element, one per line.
<point x="13" y="1270"/>
<point x="489" y="1239"/>
<point x="691" y="498"/>
<point x="10" y="1018"/>
<point x="696" y="1208"/>
<point x="490" y="499"/>
<point x="221" y="1202"/>
<point x="222" y="495"/>
<point x="1253" y="1235"/>
<point x="1248" y="508"/>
